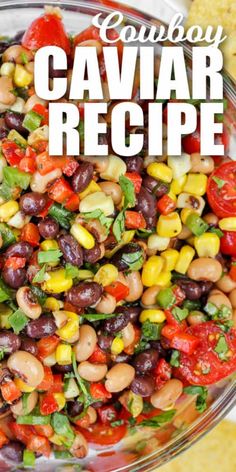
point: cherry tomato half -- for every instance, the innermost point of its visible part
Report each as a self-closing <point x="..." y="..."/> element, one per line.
<point x="47" y="30"/>
<point x="213" y="359"/>
<point x="221" y="190"/>
<point x="228" y="243"/>
<point x="104" y="435"/>
<point x="192" y="142"/>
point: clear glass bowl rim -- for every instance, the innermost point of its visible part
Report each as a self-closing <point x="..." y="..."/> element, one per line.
<point x="225" y="402"/>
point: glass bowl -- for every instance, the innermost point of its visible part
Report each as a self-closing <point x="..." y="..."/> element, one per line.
<point x="148" y="449"/>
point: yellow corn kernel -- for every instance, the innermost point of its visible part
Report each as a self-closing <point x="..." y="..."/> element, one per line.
<point x="49" y="244"/>
<point x="71" y="328"/>
<point x="23" y="386"/>
<point x="63" y="354"/>
<point x="115" y="168"/>
<point x="91" y="188"/>
<point x="170" y="257"/>
<point x="163" y="280"/>
<point x="153" y="315"/>
<point x="228" y="224"/>
<point x="169" y="226"/>
<point x="22" y="77"/>
<point x="151" y="269"/>
<point x="49" y="361"/>
<point x="107" y="274"/>
<point x="97" y="200"/>
<point x="128" y="236"/>
<point x="184" y="214"/>
<point x="157" y="243"/>
<point x="57" y="282"/>
<point x="84" y="274"/>
<point x="8" y="209"/>
<point x="135" y="404"/>
<point x="177" y="185"/>
<point x="207" y="245"/>
<point x="160" y="171"/>
<point x="52" y="304"/>
<point x="60" y="399"/>
<point x="117" y="346"/>
<point x="82" y="235"/>
<point x="172" y="196"/>
<point x="196" y="184"/>
<point x="186" y="256"/>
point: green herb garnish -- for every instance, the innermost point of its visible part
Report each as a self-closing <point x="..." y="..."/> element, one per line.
<point x="18" y="321"/>
<point x="201" y="393"/>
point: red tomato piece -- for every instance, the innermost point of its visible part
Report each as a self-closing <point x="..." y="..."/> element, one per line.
<point x="117" y="290"/>
<point x="47" y="30"/>
<point x="30" y="234"/>
<point x="27" y="164"/>
<point x="166" y="205"/>
<point x="191" y="143"/>
<point x="83" y="422"/>
<point x="107" y="414"/>
<point x="98" y="356"/>
<point x="136" y="180"/>
<point x="39" y="444"/>
<point x="47" y="346"/>
<point x="22" y="432"/>
<point x="10" y="391"/>
<point x="60" y="191"/>
<point x="99" y="391"/>
<point x="70" y="167"/>
<point x="44" y="430"/>
<point x="12" y="152"/>
<point x="57" y="386"/>
<point x="72" y="204"/>
<point x="104" y="435"/>
<point x="232" y="272"/>
<point x="179" y="295"/>
<point x="228" y="243"/>
<point x="15" y="262"/>
<point x="184" y="342"/>
<point x="221" y="190"/>
<point x="205" y="366"/>
<point x="43" y="111"/>
<point x="170" y="330"/>
<point x="48" y="404"/>
<point x="171" y="320"/>
<point x="134" y="220"/>
<point x="47" y="381"/>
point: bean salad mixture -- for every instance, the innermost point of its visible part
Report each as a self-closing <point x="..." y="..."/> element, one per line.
<point x="118" y="275"/>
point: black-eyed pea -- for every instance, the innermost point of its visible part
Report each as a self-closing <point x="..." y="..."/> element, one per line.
<point x="92" y="372"/>
<point x="167" y="395"/>
<point x="106" y="305"/>
<point x="86" y="343"/>
<point x="79" y="447"/>
<point x="128" y="335"/>
<point x="226" y="284"/>
<point x="28" y="303"/>
<point x="205" y="268"/>
<point x="92" y="415"/>
<point x="134" y="282"/>
<point x="119" y="377"/>
<point x="19" y="409"/>
<point x="232" y="297"/>
<point x="112" y="189"/>
<point x="211" y="219"/>
<point x="219" y="299"/>
<point x="27" y="367"/>
<point x="149" y="295"/>
<point x="203" y="164"/>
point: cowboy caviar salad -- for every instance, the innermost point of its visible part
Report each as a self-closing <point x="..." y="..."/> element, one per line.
<point x="118" y="275"/>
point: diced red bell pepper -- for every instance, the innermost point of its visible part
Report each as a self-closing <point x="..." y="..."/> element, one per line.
<point x="162" y="373"/>
<point x="47" y="30"/>
<point x="46" y="209"/>
<point x="166" y="205"/>
<point x="47" y="381"/>
<point x="171" y="320"/>
<point x="30" y="152"/>
<point x="57" y="386"/>
<point x="39" y="444"/>
<point x="84" y="421"/>
<point x="10" y="391"/>
<point x="136" y="180"/>
<point x="44" y="430"/>
<point x="27" y="164"/>
<point x="43" y="111"/>
<point x="70" y="167"/>
<point x="107" y="413"/>
<point x="184" y="342"/>
<point x="3" y="439"/>
<point x="170" y="330"/>
<point x="72" y="204"/>
<point x="46" y="163"/>
<point x="48" y="404"/>
<point x="134" y="220"/>
<point x="47" y="346"/>
<point x="41" y="146"/>
<point x="22" y="432"/>
<point x="118" y="290"/>
<point x="60" y="191"/>
<point x="99" y="392"/>
<point x="15" y="262"/>
<point x="179" y="294"/>
<point x="232" y="272"/>
<point x="130" y="349"/>
<point x="98" y="356"/>
<point x="30" y="234"/>
<point x="12" y="152"/>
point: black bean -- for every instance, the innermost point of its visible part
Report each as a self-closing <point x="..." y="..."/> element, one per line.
<point x="143" y="385"/>
<point x="132" y="312"/>
<point x="48" y="228"/>
<point x="3" y="132"/>
<point x="20" y="249"/>
<point x="145" y="361"/>
<point x="146" y="204"/>
<point x="191" y="289"/>
<point x="72" y="251"/>
<point x="9" y="341"/>
<point x="15" y="278"/>
<point x="63" y="369"/>
<point x="97" y="405"/>
<point x="75" y="408"/>
<point x="118" y="260"/>
<point x="113" y="325"/>
<point x="92" y="255"/>
<point x="4" y="407"/>
<point x="55" y="73"/>
<point x="82" y="177"/>
<point x="162" y="353"/>
<point x="122" y="357"/>
<point x="149" y="183"/>
<point x="134" y="164"/>
<point x="42" y="327"/>
<point x="13" y="451"/>
<point x="84" y="294"/>
<point x="14" y="120"/>
<point x="33" y="203"/>
<point x="5" y="375"/>
<point x="205" y="287"/>
<point x="105" y="342"/>
<point x="29" y="345"/>
<point x="18" y="36"/>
